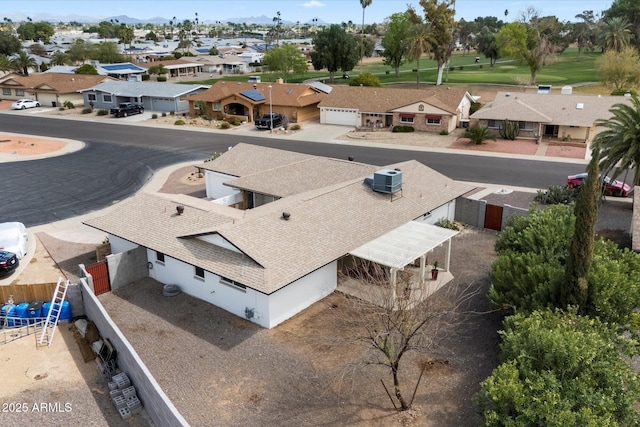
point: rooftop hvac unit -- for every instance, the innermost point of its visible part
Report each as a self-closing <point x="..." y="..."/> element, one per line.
<point x="387" y="181"/>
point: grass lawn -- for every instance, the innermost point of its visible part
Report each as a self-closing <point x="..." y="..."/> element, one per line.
<point x="565" y="69"/>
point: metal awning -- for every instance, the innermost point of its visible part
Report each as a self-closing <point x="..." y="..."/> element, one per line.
<point x="400" y="247"/>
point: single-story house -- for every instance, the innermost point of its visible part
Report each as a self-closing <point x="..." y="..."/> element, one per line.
<point x="434" y="109"/>
<point x="121" y="71"/>
<point x="154" y="96"/>
<point x="50" y="89"/>
<point x="278" y="226"/>
<point x="176" y="67"/>
<point x="248" y="101"/>
<point x="567" y="117"/>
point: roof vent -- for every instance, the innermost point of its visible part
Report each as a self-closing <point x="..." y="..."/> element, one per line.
<point x="566" y="90"/>
<point x="387" y="181"/>
<point x="179" y="209"/>
<point x="580" y="106"/>
<point x="507" y="94"/>
<point x="286" y="216"/>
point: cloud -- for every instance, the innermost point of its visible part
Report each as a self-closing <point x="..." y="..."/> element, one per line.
<point x="312" y="4"/>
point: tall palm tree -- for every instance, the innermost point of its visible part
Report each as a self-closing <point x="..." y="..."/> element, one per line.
<point x="619" y="143"/>
<point x="419" y="43"/>
<point x="364" y="4"/>
<point x="615" y="34"/>
<point x="23" y="62"/>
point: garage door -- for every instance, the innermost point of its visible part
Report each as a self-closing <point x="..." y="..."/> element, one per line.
<point x="340" y="116"/>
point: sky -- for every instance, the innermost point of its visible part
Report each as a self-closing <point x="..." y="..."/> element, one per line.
<point x="328" y="11"/>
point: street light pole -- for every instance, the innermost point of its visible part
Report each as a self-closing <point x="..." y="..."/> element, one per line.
<point x="270" y="110"/>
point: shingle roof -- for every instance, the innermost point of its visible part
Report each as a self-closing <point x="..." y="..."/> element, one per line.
<point x="171" y="64"/>
<point x="56" y="82"/>
<point x="325" y="222"/>
<point x="549" y="108"/>
<point x="294" y="95"/>
<point x="138" y="89"/>
<point x="385" y="99"/>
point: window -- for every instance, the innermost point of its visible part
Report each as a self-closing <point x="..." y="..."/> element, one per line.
<point x="160" y="257"/>
<point x="216" y="106"/>
<point x="200" y="272"/>
<point x="6" y="91"/>
<point x="404" y="119"/>
<point x="525" y="125"/>
<point x="494" y="124"/>
<point x="107" y="98"/>
<point x="433" y="120"/>
<point x="92" y="97"/>
<point x="233" y="284"/>
<point x="19" y="92"/>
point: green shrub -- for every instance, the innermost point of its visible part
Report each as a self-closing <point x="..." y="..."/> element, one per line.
<point x="103" y="112"/>
<point x="87" y="111"/>
<point x="403" y="128"/>
<point x="478" y="134"/>
<point x="509" y="129"/>
<point x="61" y="108"/>
<point x="556" y="194"/>
<point x="234" y="121"/>
<point x="225" y="125"/>
<point x="445" y="222"/>
<point x="154" y="116"/>
<point x="461" y="68"/>
<point x="623" y="91"/>
<point x="295" y="126"/>
<point x="145" y="77"/>
<point x="162" y="78"/>
<point x="69" y="105"/>
<point x="444" y="132"/>
<point x="179" y="122"/>
<point x="164" y="114"/>
<point x="365" y="79"/>
<point x="452" y="68"/>
<point x="172" y="113"/>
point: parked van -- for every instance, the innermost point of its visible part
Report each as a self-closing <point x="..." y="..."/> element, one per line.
<point x="254" y="79"/>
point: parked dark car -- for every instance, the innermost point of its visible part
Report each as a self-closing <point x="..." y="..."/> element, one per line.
<point x="8" y="262"/>
<point x="610" y="187"/>
<point x="127" y="108"/>
<point x="272" y="121"/>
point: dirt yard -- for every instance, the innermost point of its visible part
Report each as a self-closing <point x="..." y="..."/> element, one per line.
<point x="21" y="145"/>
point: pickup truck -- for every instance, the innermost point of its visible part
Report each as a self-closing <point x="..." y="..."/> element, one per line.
<point x="127" y="108"/>
<point x="276" y="119"/>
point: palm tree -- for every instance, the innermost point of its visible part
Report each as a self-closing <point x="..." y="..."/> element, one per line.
<point x="23" y="62"/>
<point x="364" y="4"/>
<point x="478" y="135"/>
<point x="615" y="34"/>
<point x="60" y="58"/>
<point x="619" y="143"/>
<point x="419" y="43"/>
<point x="5" y="64"/>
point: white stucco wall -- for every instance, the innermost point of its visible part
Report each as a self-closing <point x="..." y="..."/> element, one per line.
<point x="448" y="210"/>
<point x="119" y="245"/>
<point x="214" y="183"/>
<point x="298" y="295"/>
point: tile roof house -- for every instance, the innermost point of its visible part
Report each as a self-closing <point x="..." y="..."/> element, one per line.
<point x="566" y="117"/>
<point x="50" y="89"/>
<point x="433" y="109"/>
<point x="249" y="101"/>
<point x="154" y="96"/>
<point x="269" y="239"/>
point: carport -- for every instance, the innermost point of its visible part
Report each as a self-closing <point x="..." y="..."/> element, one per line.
<point x="405" y="244"/>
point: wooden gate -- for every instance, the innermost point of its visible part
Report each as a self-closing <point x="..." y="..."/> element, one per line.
<point x="493" y="217"/>
<point x="100" y="275"/>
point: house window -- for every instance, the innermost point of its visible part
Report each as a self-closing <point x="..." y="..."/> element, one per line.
<point x="160" y="257"/>
<point x="92" y="97"/>
<point x="233" y="284"/>
<point x="406" y="119"/>
<point x="19" y="92"/>
<point x="199" y="272"/>
<point x="107" y="98"/>
<point x="525" y="126"/>
<point x="216" y="106"/>
<point x="434" y="120"/>
<point x="6" y="91"/>
<point x="494" y="124"/>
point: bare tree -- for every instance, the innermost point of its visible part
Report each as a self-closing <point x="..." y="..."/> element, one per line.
<point x="391" y="321"/>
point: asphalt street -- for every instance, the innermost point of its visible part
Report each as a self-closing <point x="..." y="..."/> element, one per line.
<point x="119" y="159"/>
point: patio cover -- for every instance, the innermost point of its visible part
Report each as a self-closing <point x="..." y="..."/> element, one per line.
<point x="403" y="245"/>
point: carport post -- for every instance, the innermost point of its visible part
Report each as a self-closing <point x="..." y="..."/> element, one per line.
<point x="447" y="256"/>
<point x="423" y="262"/>
<point x="393" y="272"/>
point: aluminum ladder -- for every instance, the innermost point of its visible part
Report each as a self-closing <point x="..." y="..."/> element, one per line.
<point x="52" y="317"/>
<point x="33" y="326"/>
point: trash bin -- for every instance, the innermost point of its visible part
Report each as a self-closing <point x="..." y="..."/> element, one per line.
<point x="54" y="104"/>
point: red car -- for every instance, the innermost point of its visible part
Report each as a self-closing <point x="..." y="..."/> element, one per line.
<point x="611" y="187"/>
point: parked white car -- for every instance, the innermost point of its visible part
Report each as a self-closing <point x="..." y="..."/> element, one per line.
<point x="22" y="104"/>
<point x="13" y="238"/>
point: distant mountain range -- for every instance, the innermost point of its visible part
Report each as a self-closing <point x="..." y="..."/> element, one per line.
<point x="124" y="19"/>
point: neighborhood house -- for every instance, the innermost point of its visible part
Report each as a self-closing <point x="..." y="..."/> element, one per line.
<point x="276" y="228"/>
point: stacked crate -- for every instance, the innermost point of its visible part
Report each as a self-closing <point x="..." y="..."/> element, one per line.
<point x="123" y="395"/>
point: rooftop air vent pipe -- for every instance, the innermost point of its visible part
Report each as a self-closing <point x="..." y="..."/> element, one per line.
<point x="179" y="209"/>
